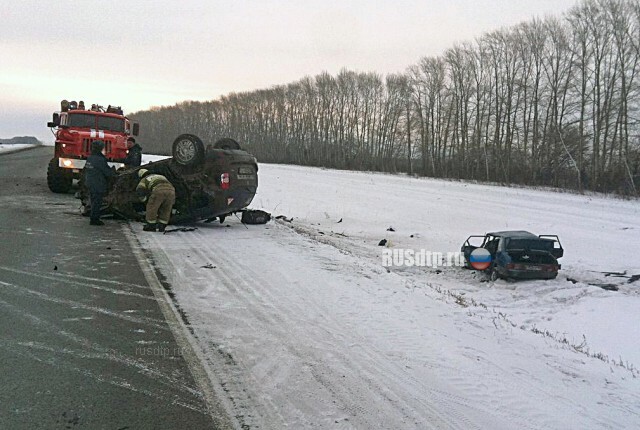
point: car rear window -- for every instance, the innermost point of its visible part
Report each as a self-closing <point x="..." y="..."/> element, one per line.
<point x="530" y="244"/>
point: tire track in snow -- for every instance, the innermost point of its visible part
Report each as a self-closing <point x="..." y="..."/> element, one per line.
<point x="216" y="406"/>
<point x="385" y="381"/>
<point x="282" y="322"/>
<point x="463" y="380"/>
<point x="380" y="377"/>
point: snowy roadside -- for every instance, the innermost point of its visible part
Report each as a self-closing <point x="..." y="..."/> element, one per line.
<point x="599" y="234"/>
<point x="14" y="147"/>
<point x="150" y="158"/>
<point x="303" y="327"/>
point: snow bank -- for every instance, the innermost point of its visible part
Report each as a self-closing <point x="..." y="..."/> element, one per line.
<point x="4" y="148"/>
<point x="150" y="158"/>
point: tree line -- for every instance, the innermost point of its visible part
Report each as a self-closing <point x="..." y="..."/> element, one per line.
<point x="552" y="101"/>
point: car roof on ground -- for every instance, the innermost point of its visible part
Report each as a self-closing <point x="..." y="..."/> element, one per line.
<point x="515" y="233"/>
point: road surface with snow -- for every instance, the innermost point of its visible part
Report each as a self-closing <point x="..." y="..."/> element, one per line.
<point x="301" y="326"/>
<point x="83" y="343"/>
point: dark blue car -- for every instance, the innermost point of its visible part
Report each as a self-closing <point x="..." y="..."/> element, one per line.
<point x="516" y="254"/>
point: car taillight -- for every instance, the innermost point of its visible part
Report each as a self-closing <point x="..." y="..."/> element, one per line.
<point x="224" y="181"/>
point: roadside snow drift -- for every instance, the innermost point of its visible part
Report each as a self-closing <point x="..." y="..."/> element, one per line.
<point x="11" y="147"/>
<point x="303" y="327"/>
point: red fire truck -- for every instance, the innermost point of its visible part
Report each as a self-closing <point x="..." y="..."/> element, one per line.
<point x="75" y="129"/>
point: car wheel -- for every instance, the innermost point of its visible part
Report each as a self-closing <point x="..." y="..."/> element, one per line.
<point x="188" y="150"/>
<point x="59" y="180"/>
<point x="226" y="143"/>
<point x="493" y="275"/>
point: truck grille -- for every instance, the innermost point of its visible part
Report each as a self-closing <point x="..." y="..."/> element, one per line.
<point x="86" y="145"/>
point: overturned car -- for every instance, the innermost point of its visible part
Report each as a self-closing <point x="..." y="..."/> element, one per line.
<point x="514" y="255"/>
<point x="211" y="182"/>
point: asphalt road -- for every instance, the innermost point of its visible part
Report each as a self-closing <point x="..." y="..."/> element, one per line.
<point x="83" y="342"/>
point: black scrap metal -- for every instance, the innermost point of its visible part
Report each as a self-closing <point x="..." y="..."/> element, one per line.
<point x="182" y="229"/>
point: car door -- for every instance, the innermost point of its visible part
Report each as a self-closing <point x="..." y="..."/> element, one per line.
<point x="472" y="242"/>
<point x="557" y="250"/>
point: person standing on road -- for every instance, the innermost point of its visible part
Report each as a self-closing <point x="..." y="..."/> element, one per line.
<point x="134" y="157"/>
<point x="159" y="194"/>
<point x="97" y="172"/>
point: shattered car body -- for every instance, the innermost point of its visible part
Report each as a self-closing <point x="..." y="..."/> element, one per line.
<point x="210" y="183"/>
<point x="518" y="254"/>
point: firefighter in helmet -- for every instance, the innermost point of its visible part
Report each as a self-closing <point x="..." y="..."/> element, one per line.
<point x="159" y="195"/>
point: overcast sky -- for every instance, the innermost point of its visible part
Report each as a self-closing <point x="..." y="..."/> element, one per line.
<point x="149" y="53"/>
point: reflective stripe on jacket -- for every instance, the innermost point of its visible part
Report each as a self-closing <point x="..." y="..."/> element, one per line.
<point x="149" y="183"/>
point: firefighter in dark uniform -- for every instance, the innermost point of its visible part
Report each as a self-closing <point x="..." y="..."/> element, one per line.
<point x="160" y="196"/>
<point x="97" y="172"/>
<point x="134" y="157"/>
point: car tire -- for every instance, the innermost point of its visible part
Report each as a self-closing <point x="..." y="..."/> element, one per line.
<point x="188" y="150"/>
<point x="493" y="274"/>
<point x="227" y="143"/>
<point x="58" y="179"/>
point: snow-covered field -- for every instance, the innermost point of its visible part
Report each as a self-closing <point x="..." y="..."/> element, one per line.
<point x="5" y="147"/>
<point x="150" y="158"/>
<point x="303" y="327"/>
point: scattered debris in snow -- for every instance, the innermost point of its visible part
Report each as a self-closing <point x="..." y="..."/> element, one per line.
<point x="180" y="229"/>
<point x="303" y="331"/>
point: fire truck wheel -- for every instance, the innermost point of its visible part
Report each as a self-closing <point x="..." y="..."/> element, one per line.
<point x="188" y="150"/>
<point x="58" y="180"/>
<point x="226" y="143"/>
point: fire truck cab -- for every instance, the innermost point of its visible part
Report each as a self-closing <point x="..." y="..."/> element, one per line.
<point x="75" y="129"/>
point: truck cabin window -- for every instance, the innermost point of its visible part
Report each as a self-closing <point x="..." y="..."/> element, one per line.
<point x="82" y="120"/>
<point x="111" y="124"/>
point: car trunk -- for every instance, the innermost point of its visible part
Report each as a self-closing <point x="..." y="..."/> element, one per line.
<point x="225" y="184"/>
<point x="531" y="264"/>
<point x="531" y="257"/>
